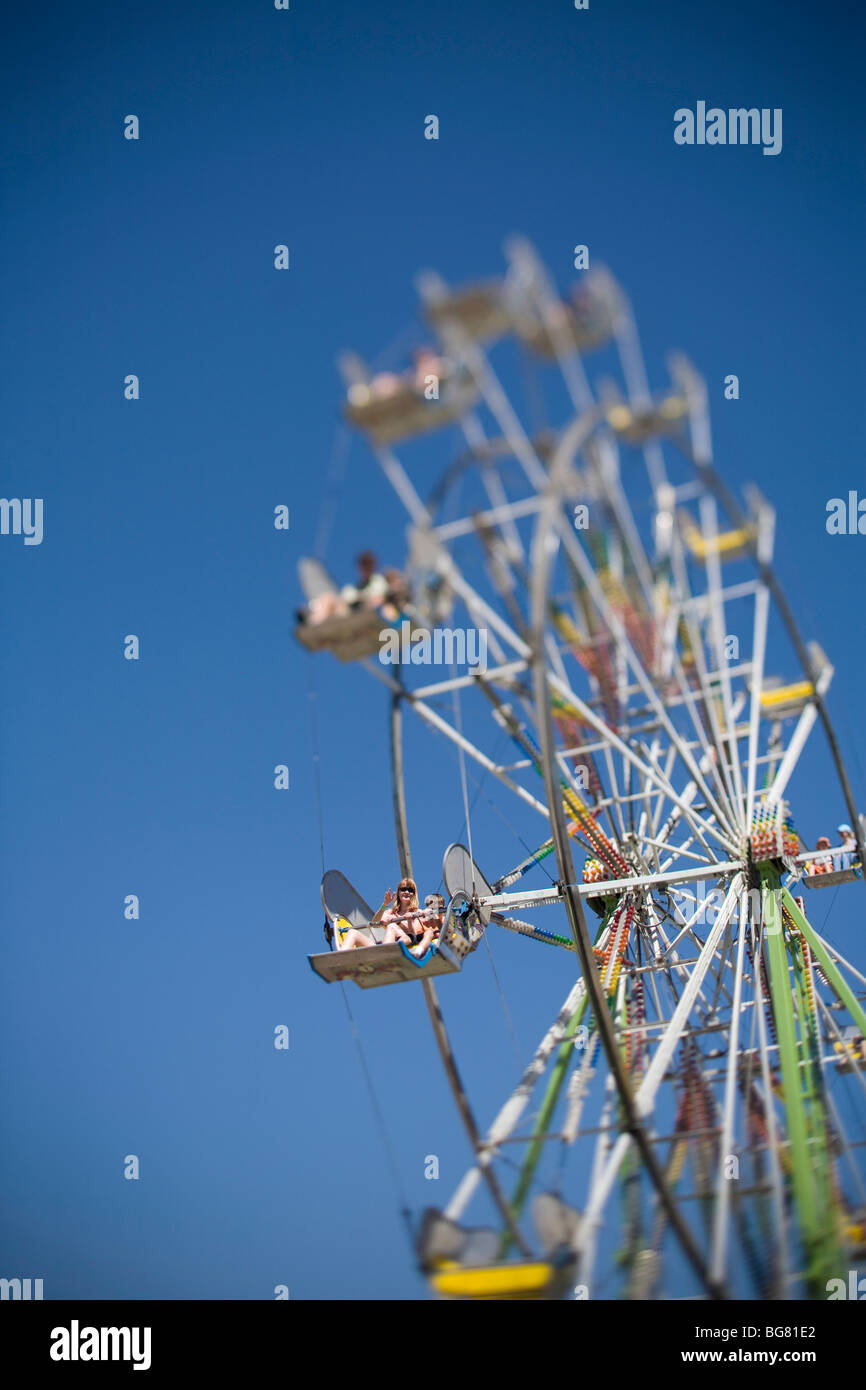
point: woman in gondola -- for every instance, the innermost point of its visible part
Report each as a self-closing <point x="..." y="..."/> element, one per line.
<point x="398" y="915"/>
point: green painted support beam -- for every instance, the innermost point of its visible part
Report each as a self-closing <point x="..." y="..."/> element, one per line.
<point x="795" y="1111"/>
<point x="813" y="1082"/>
<point x="819" y="1243"/>
<point x="820" y="1129"/>
<point x="828" y="965"/>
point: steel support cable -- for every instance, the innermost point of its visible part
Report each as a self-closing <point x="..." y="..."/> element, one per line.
<point x="768" y="577"/>
<point x="509" y="1021"/>
<point x="591" y="831"/>
<point x="478" y="784"/>
<point x="435" y="721"/>
<point x="430" y="997"/>
<point x="535" y="856"/>
<point x="544" y="541"/>
<point x="577" y="807"/>
<point x="405" y="1210"/>
<point x="461" y="758"/>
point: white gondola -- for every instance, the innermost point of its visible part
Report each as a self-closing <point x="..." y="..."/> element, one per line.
<point x="468" y="888"/>
<point x="480" y="312"/>
<point x="349" y="638"/>
<point x="585" y="321"/>
<point x="350" y="635"/>
<point x="834" y="878"/>
<point x="391" y="407"/>
<point x="380" y="963"/>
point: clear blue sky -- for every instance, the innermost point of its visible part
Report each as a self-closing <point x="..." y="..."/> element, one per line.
<point x="154" y="1037"/>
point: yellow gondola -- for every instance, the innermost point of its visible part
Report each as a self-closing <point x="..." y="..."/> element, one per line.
<point x="855" y="1231"/>
<point x="786" y="699"/>
<point x="535" y="1279"/>
<point x="728" y="545"/>
<point x="463" y="1264"/>
<point x="638" y="426"/>
<point x="851" y="1051"/>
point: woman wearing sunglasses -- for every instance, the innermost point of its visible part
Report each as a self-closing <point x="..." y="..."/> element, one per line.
<point x="400" y="916"/>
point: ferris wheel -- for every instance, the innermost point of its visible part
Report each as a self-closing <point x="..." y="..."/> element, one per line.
<point x="702" y="1080"/>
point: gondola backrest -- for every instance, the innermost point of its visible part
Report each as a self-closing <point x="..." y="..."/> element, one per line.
<point x="340" y="899"/>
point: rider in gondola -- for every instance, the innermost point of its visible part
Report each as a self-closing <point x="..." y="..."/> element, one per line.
<point x="373" y="590"/>
<point x="391" y="916"/>
<point x="404" y="920"/>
